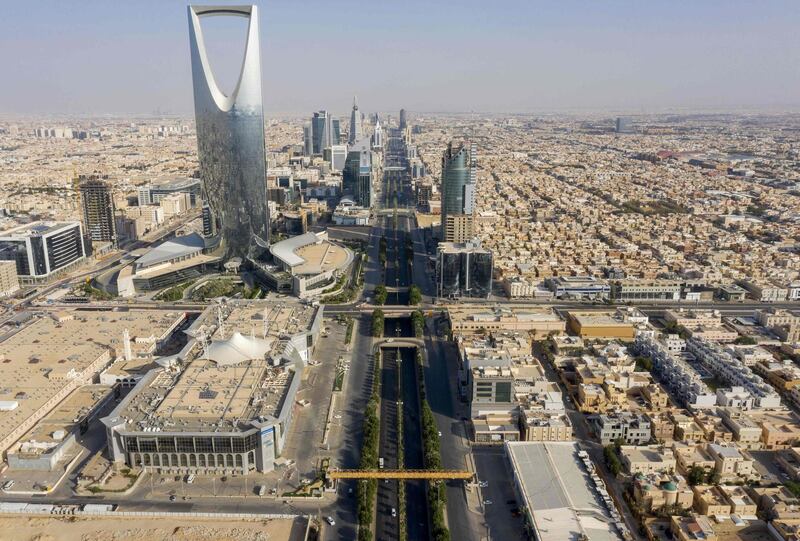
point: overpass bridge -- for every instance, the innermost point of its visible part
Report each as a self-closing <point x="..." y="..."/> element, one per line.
<point x="463" y="475"/>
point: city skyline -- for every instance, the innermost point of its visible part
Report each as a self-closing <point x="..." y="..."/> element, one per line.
<point x="620" y="56"/>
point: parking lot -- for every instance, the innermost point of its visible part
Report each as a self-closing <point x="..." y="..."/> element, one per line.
<point x="498" y="495"/>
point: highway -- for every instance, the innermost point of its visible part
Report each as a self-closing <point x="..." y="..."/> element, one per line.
<point x="388" y="524"/>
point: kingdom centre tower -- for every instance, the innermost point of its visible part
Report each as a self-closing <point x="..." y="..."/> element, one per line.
<point x="230" y="144"/>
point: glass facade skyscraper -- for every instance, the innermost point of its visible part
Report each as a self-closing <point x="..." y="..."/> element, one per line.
<point x="458" y="183"/>
<point x="463" y="270"/>
<point x="230" y="143"/>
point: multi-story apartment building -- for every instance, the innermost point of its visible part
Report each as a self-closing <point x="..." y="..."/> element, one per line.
<point x="732" y="371"/>
<point x="632" y="428"/>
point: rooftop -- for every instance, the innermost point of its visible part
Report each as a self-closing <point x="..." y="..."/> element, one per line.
<point x="559" y="492"/>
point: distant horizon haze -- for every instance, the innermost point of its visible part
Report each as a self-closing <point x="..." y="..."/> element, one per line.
<point x="623" y="57"/>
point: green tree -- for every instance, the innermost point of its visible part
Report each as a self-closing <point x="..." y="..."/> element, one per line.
<point x="697" y="475"/>
<point x="612" y="460"/>
<point x="414" y="295"/>
<point x="377" y="323"/>
<point x="381" y="295"/>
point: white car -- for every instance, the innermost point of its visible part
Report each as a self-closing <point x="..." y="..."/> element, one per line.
<point x="440" y="434"/>
<point x="330" y="521"/>
<point x="487" y="502"/>
<point x="394" y="512"/>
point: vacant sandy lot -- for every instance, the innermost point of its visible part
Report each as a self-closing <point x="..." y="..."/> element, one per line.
<point x="19" y="528"/>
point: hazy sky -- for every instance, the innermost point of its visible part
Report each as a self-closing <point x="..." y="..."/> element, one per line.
<point x="101" y="56"/>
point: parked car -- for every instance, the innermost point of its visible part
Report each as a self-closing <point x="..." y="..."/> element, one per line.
<point x="330" y="521"/>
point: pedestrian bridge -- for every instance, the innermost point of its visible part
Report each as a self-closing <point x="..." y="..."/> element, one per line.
<point x="400" y="474"/>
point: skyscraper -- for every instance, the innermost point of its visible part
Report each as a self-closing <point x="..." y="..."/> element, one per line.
<point x="357" y="173"/>
<point x="230" y="143"/>
<point x="355" y="124"/>
<point x="336" y="131"/>
<point x="459" y="168"/>
<point x="321" y="131"/>
<point x="97" y="203"/>
<point x="403" y="120"/>
<point x="623" y="125"/>
<point x="377" y="135"/>
<point x="308" y="139"/>
<point x="463" y="270"/>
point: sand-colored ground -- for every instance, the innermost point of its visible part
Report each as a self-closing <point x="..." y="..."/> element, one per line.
<point x="20" y="528"/>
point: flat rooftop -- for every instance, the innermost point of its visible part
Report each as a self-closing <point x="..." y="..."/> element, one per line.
<point x="43" y="357"/>
<point x="35" y="228"/>
<point x="598" y="319"/>
<point x="218" y="397"/>
<point x="319" y="258"/>
<point x="558" y="492"/>
<point x="264" y="319"/>
<point x="208" y="397"/>
<point x="490" y="314"/>
<point x="65" y="417"/>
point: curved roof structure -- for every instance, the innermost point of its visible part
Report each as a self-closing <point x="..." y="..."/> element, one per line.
<point x="285" y="249"/>
<point x="236" y="349"/>
<point x="172" y="249"/>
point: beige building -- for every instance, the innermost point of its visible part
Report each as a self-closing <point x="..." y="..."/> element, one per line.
<point x="729" y="462"/>
<point x="710" y="500"/>
<point x="465" y="319"/>
<point x="544" y="426"/>
<point x="459" y="228"/>
<point x="9" y="282"/>
<point x="647" y="459"/>
<point x="741" y="503"/>
<point x="655" y="491"/>
<point x="602" y="325"/>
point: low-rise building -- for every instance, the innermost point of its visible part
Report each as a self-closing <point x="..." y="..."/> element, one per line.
<point x="656" y="490"/>
<point x="599" y="325"/>
<point x="710" y="500"/>
<point x="633" y="429"/>
<point x="730" y="462"/>
<point x="647" y="459"/>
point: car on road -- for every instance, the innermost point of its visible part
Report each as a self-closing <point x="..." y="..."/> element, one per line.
<point x="483" y="484"/>
<point x="440" y="433"/>
<point x="487" y="502"/>
<point x="173" y="498"/>
<point x="394" y="512"/>
<point x="330" y="521"/>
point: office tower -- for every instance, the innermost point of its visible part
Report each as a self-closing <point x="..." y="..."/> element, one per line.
<point x="459" y="168"/>
<point x="230" y="143"/>
<point x="357" y="174"/>
<point x="41" y="249"/>
<point x="623" y="125"/>
<point x="152" y="194"/>
<point x="321" y="132"/>
<point x="308" y="139"/>
<point x="377" y="135"/>
<point x="97" y="203"/>
<point x="336" y="131"/>
<point x="463" y="270"/>
<point x="355" y="124"/>
<point x="403" y="120"/>
<point x="338" y="157"/>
